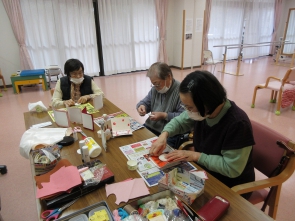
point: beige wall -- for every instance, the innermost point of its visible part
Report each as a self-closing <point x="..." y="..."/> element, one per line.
<point x="192" y="48"/>
<point x="287" y="4"/>
<point x="9" y="52"/>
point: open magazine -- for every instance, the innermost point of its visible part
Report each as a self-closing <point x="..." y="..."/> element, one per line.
<point x="147" y="168"/>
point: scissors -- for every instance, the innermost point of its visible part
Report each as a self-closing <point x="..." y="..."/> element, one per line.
<point x="78" y="129"/>
<point x="54" y="214"/>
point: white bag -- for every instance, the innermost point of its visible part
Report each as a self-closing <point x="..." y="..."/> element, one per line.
<point x="35" y="136"/>
<point x="38" y="106"/>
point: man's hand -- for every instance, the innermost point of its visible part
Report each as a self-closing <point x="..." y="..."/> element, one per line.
<point x="185" y="155"/>
<point x="69" y="103"/>
<point x="141" y="110"/>
<point x="83" y="99"/>
<point x="158" y="147"/>
<point x="156" y="116"/>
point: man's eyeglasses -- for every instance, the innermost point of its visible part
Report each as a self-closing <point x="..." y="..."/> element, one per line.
<point x="155" y="85"/>
<point x="158" y="85"/>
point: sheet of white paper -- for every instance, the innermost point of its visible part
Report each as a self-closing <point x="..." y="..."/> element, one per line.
<point x="61" y="118"/>
<point x="75" y="115"/>
<point x="98" y="102"/>
<point x="87" y="121"/>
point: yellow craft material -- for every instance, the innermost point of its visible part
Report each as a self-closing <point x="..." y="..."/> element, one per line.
<point x="101" y="215"/>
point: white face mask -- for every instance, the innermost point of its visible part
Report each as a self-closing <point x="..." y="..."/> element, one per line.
<point x="196" y="116"/>
<point x="77" y="80"/>
<point x="164" y="89"/>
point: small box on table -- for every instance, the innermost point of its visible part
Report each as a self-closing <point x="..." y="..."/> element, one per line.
<point x="87" y="212"/>
<point x="185" y="184"/>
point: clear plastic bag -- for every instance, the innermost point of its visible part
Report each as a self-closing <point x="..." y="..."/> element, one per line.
<point x="36" y="136"/>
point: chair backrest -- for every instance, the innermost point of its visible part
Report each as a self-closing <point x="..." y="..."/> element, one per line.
<point x="289" y="76"/>
<point x="207" y="54"/>
<point x="266" y="153"/>
<point x="54" y="70"/>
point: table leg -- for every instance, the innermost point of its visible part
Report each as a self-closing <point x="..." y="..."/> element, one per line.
<point x="224" y="59"/>
<point x="43" y="85"/>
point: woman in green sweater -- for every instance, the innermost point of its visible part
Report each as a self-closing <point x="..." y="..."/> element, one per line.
<point x="223" y="136"/>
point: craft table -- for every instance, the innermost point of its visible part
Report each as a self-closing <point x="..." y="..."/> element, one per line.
<point x="240" y="209"/>
<point x="18" y="81"/>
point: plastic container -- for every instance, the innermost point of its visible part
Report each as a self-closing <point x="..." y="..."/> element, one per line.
<point x="81" y="217"/>
<point x="85" y="152"/>
<point x="85" y="211"/>
<point x="100" y="208"/>
<point x="81" y="144"/>
<point x="93" y="148"/>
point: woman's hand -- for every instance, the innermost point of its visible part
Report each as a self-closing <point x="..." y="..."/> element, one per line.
<point x="185" y="155"/>
<point x="158" y="116"/>
<point x="69" y="103"/>
<point x="83" y="99"/>
<point x="141" y="110"/>
<point x="158" y="147"/>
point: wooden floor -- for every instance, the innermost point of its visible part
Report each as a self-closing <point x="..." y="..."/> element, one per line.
<point x="125" y="90"/>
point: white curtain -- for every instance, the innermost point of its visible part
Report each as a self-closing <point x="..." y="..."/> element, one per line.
<point x="58" y="30"/>
<point x="290" y="35"/>
<point x="259" y="26"/>
<point x="129" y="33"/>
<point x="230" y="18"/>
<point x="226" y="24"/>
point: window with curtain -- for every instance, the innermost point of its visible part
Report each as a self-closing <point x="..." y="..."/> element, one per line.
<point x="57" y="30"/>
<point x="129" y="33"/>
<point x="290" y="35"/>
<point x="230" y="18"/>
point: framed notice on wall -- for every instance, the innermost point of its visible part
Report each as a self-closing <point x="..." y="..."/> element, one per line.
<point x="199" y="24"/>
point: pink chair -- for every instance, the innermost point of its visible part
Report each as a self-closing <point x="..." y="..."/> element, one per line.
<point x="273" y="155"/>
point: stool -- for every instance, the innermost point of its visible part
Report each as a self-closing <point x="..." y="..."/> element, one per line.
<point x="18" y="81"/>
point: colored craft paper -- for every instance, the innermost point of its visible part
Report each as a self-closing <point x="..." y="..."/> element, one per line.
<point x="60" y="181"/>
<point x="46" y="177"/>
<point x="132" y="189"/>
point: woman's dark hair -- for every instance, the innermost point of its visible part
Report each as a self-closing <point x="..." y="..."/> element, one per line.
<point x="72" y="65"/>
<point x="206" y="91"/>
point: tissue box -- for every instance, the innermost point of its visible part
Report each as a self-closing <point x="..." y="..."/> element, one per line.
<point x="186" y="185"/>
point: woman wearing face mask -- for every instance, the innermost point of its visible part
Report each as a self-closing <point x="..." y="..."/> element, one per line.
<point x="223" y="136"/>
<point x="162" y="102"/>
<point x="75" y="87"/>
